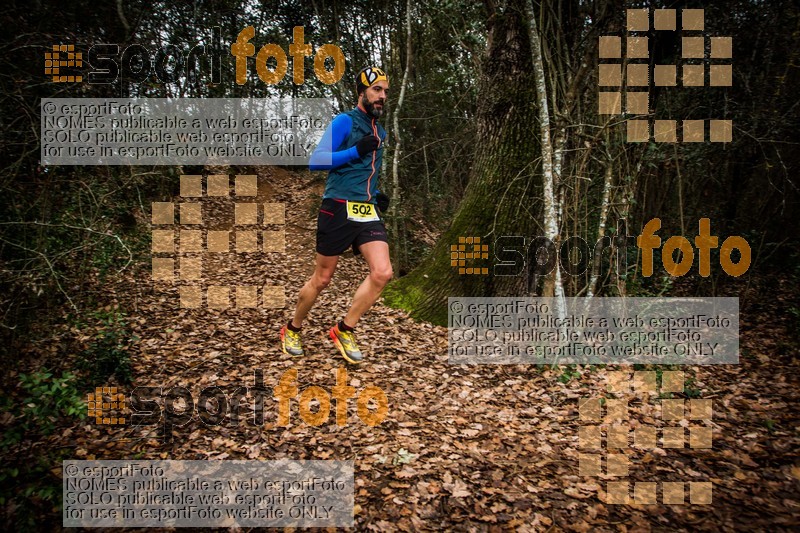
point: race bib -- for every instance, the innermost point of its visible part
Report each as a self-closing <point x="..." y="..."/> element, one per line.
<point x="361" y="212"/>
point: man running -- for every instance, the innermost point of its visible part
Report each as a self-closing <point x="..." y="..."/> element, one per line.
<point x="351" y="150"/>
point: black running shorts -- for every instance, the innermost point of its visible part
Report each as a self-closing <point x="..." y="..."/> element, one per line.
<point x="335" y="233"/>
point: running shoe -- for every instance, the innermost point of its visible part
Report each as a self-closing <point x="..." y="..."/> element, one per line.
<point x="346" y="342"/>
<point x="291" y="343"/>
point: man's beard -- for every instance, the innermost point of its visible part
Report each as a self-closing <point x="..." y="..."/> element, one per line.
<point x="370" y="107"/>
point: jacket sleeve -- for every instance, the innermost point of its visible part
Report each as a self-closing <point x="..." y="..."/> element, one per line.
<point x="325" y="157"/>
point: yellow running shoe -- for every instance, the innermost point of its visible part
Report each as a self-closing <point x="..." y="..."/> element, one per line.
<point x="291" y="343"/>
<point x="346" y="342"/>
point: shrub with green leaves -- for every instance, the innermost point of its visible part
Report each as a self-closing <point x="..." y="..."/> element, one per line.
<point x="45" y="400"/>
<point x="27" y="483"/>
<point x="108" y="353"/>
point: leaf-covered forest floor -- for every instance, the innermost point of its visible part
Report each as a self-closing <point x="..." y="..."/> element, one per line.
<point x="467" y="448"/>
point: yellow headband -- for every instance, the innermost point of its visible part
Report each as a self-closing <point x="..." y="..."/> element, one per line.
<point x="370" y="76"/>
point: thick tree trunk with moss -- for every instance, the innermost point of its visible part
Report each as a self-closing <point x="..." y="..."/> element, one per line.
<point x="503" y="197"/>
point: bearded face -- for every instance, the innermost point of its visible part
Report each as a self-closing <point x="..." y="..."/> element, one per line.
<point x="373" y="99"/>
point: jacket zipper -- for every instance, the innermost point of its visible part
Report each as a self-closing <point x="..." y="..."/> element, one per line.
<point x="375" y="133"/>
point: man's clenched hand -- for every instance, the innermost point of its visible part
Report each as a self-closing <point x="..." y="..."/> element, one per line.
<point x="367" y="144"/>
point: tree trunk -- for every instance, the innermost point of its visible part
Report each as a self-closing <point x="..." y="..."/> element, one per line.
<point x="601" y="231"/>
<point x="398" y="147"/>
<point x="503" y="194"/>
<point x="551" y="159"/>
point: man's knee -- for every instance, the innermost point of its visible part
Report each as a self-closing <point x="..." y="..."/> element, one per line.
<point x="382" y="276"/>
<point x="320" y="280"/>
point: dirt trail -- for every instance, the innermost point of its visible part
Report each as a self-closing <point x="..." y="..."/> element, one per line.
<point x="462" y="447"/>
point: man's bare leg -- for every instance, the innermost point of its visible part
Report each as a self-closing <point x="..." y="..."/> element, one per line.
<point x="323" y="272"/>
<point x="380" y="272"/>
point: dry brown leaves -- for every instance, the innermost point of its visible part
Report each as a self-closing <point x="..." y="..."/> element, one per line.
<point x="463" y="447"/>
